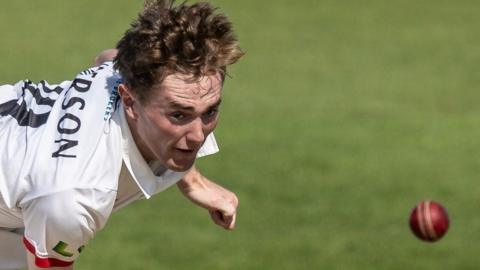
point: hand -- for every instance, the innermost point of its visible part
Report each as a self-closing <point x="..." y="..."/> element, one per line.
<point x="221" y="203"/>
<point x="223" y="206"/>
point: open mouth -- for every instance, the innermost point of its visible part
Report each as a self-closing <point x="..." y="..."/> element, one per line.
<point x="186" y="151"/>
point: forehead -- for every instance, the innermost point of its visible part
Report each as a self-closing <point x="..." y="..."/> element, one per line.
<point x="180" y="88"/>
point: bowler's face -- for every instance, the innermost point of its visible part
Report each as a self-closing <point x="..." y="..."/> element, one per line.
<point x="172" y="125"/>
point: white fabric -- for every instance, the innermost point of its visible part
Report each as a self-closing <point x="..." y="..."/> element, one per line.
<point x="12" y="251"/>
<point x="63" y="149"/>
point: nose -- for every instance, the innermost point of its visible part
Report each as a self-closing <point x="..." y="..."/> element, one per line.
<point x="195" y="136"/>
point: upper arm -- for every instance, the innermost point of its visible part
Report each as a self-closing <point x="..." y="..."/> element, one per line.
<point x="59" y="225"/>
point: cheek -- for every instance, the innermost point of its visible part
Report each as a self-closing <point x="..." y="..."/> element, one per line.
<point x="209" y="127"/>
<point x="162" y="130"/>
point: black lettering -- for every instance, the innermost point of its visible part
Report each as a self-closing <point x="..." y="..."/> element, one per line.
<point x="94" y="74"/>
<point x="72" y="117"/>
<point x="72" y="101"/>
<point x="47" y="90"/>
<point x="22" y="114"/>
<point x="67" y="145"/>
<point x="81" y="85"/>
<point x="35" y="91"/>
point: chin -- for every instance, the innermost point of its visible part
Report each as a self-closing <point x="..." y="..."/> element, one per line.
<point x="179" y="166"/>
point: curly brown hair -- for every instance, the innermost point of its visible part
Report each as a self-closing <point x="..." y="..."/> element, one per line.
<point x="192" y="40"/>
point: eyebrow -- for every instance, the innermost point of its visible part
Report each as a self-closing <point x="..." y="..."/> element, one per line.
<point x="216" y="104"/>
<point x="176" y="105"/>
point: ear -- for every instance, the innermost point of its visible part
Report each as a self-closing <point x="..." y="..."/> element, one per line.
<point x="128" y="100"/>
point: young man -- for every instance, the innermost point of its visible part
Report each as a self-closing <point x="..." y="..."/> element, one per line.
<point x="74" y="152"/>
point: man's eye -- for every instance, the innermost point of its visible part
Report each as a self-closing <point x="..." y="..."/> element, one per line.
<point x="212" y="112"/>
<point x="177" y="116"/>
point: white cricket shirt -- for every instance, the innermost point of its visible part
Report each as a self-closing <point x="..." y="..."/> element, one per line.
<point x="69" y="159"/>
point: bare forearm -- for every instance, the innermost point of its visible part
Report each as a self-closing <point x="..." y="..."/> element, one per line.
<point x="221" y="203"/>
<point x="192" y="180"/>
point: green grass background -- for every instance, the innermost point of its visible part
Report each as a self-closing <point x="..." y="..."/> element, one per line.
<point x="340" y="118"/>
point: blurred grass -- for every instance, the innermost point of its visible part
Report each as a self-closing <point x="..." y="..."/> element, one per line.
<point x="341" y="117"/>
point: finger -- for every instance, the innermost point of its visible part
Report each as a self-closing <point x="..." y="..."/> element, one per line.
<point x="223" y="220"/>
<point x="228" y="221"/>
<point x="231" y="226"/>
<point x="217" y="218"/>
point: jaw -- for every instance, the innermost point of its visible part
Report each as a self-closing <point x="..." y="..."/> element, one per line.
<point x="181" y="161"/>
<point x="176" y="167"/>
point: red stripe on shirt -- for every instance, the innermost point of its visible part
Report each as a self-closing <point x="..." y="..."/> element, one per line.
<point x="44" y="262"/>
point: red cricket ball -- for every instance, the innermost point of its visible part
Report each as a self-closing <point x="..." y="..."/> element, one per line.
<point x="429" y="221"/>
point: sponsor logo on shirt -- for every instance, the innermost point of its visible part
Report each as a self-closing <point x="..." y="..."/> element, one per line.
<point x="61" y="248"/>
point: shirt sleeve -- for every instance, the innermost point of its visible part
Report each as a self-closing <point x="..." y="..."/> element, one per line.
<point x="5" y="87"/>
<point x="59" y="225"/>
<point x="210" y="146"/>
<point x="8" y="91"/>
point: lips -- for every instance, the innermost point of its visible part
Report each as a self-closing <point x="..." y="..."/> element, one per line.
<point x="185" y="151"/>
